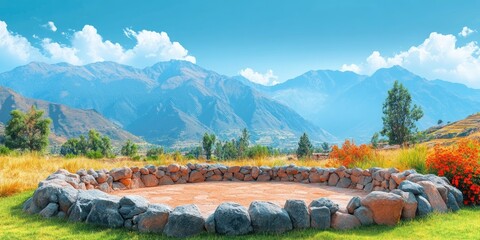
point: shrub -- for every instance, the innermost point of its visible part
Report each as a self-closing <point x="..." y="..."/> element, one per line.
<point x="258" y="151"/>
<point x="460" y="164"/>
<point x="349" y="154"/>
<point x="94" y="154"/>
<point x="4" y="150"/>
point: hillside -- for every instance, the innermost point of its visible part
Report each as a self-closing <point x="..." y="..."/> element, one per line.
<point x="452" y="132"/>
<point x="170" y="103"/>
<point x="66" y="122"/>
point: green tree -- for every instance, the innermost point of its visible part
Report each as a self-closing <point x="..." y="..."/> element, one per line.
<point x="439" y="122"/>
<point x="305" y="147"/>
<point x="375" y="139"/>
<point x="70" y="147"/>
<point x="243" y="143"/>
<point x="207" y="143"/>
<point x="27" y="131"/>
<point x="155" y="152"/>
<point x="398" y="116"/>
<point x="129" y="149"/>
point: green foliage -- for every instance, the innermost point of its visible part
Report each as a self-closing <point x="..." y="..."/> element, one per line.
<point x="95" y="146"/>
<point x="207" y="143"/>
<point x="243" y="143"/>
<point x="129" y="149"/>
<point x="194" y="153"/>
<point x="258" y="151"/>
<point x="154" y="153"/>
<point x="4" y="150"/>
<point x="325" y="147"/>
<point x="375" y="139"/>
<point x="27" y="131"/>
<point x="305" y="147"/>
<point x="398" y="116"/>
<point x="414" y="158"/>
<point x="439" y="122"/>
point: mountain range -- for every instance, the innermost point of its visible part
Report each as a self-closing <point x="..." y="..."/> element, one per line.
<point x="170" y="103"/>
<point x="174" y="103"/>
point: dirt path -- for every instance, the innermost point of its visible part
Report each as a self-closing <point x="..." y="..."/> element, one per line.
<point x="208" y="195"/>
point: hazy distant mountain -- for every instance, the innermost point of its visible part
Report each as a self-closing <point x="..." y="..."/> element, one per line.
<point x="350" y="105"/>
<point x="168" y="103"/>
<point x="66" y="122"/>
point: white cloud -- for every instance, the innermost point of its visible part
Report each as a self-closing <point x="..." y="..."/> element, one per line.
<point x="88" y="46"/>
<point x="438" y="57"/>
<point x="350" y="67"/>
<point x="466" y="31"/>
<point x="51" y="26"/>
<point x="266" y="79"/>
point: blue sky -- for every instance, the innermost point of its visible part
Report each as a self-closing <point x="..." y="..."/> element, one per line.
<point x="275" y="40"/>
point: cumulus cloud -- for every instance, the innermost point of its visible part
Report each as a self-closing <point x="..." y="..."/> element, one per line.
<point x="466" y="31"/>
<point x="438" y="57"/>
<point x="88" y="46"/>
<point x="51" y="25"/>
<point x="266" y="79"/>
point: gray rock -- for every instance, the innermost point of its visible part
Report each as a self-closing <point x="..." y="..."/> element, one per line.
<point x="210" y="224"/>
<point x="408" y="186"/>
<point x="49" y="211"/>
<point x="79" y="211"/>
<point x="268" y="217"/>
<point x="364" y="215"/>
<point x="320" y="217"/>
<point x="121" y="173"/>
<point x="232" y="219"/>
<point x="298" y="212"/>
<point x="132" y="205"/>
<point x="452" y="203"/>
<point x="424" y="208"/>
<point x="354" y="203"/>
<point x="368" y="187"/>
<point x="55" y="191"/>
<point x="26" y="205"/>
<point x="458" y="195"/>
<point x="154" y="219"/>
<point x="104" y="212"/>
<point x="324" y="202"/>
<point x="344" y="182"/>
<point x="184" y="221"/>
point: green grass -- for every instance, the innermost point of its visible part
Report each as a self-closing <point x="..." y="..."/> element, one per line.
<point x="14" y="224"/>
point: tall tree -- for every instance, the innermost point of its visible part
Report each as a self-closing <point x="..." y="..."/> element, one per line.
<point x="243" y="143"/>
<point x="129" y="149"/>
<point x="398" y="116"/>
<point x="375" y="139"/>
<point x="207" y="142"/>
<point x="27" y="131"/>
<point x="305" y="147"/>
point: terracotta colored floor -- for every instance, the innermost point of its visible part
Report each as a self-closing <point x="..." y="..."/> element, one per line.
<point x="208" y="195"/>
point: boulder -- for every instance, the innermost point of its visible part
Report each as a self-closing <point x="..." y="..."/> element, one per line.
<point x="118" y="186"/>
<point x="49" y="211"/>
<point x="232" y="219"/>
<point x="149" y="180"/>
<point x="452" y="203"/>
<point x="132" y="205"/>
<point x="264" y="177"/>
<point x="268" y="217"/>
<point x="121" y="173"/>
<point x="423" y="208"/>
<point x="298" y="212"/>
<point x="458" y="195"/>
<point x="410" y="208"/>
<point x="324" y="202"/>
<point x="255" y="172"/>
<point x="364" y="215"/>
<point x="354" y="203"/>
<point x="165" y="180"/>
<point x="434" y="197"/>
<point x="79" y="211"/>
<point x="386" y="207"/>
<point x="210" y="224"/>
<point x="333" y="179"/>
<point x="55" y="191"/>
<point x="344" y="221"/>
<point x="153" y="219"/>
<point x="104" y="212"/>
<point x="315" y="177"/>
<point x="173" y="168"/>
<point x="408" y="186"/>
<point x="320" y="217"/>
<point x="344" y="183"/>
<point x="195" y="177"/>
<point x="184" y="221"/>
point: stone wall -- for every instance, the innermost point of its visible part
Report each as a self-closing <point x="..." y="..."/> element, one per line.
<point x="394" y="195"/>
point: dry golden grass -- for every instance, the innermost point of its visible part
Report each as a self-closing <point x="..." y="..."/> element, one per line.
<point x="24" y="172"/>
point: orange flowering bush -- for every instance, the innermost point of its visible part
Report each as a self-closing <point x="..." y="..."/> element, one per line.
<point x="349" y="153"/>
<point x="460" y="164"/>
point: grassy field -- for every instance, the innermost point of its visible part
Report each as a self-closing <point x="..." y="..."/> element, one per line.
<point x="15" y="224"/>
